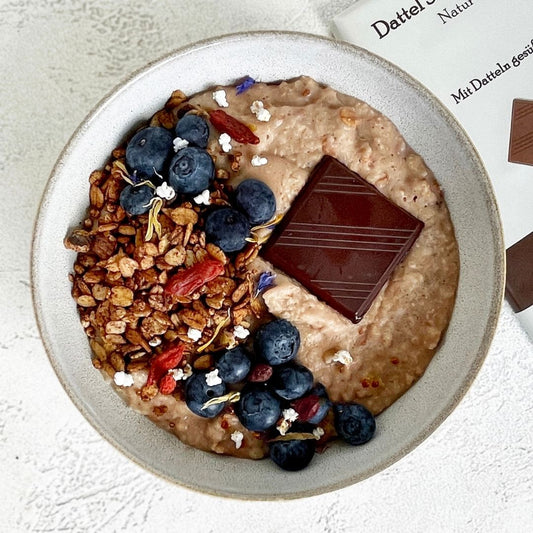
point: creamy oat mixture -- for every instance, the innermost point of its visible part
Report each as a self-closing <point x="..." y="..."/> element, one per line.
<point x="372" y="362"/>
<point x="394" y="343"/>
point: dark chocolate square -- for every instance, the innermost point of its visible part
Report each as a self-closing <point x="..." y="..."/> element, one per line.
<point x="521" y="139"/>
<point x="342" y="238"/>
<point x="519" y="283"/>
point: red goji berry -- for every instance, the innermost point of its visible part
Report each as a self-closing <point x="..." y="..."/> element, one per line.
<point x="306" y="407"/>
<point x="260" y="373"/>
<point x="238" y="131"/>
<point x="190" y="279"/>
<point x="167" y="384"/>
<point x="163" y="362"/>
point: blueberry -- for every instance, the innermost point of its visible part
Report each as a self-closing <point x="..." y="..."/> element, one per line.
<point x="319" y="390"/>
<point x="323" y="401"/>
<point x="197" y="392"/>
<point x="148" y="151"/>
<point x="227" y="228"/>
<point x="291" y="381"/>
<point x="256" y="200"/>
<point x="354" y="423"/>
<point x="191" y="170"/>
<point x="323" y="409"/>
<point x="294" y="454"/>
<point x="135" y="200"/>
<point x="258" y="409"/>
<point x="277" y="341"/>
<point x="194" y="129"/>
<point x="233" y="365"/>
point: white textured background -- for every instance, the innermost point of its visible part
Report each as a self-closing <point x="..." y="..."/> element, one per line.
<point x="58" y="58"/>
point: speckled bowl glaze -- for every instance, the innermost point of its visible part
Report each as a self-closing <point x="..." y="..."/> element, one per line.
<point x="427" y="127"/>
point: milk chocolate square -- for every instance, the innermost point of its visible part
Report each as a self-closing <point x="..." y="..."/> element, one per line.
<point x="521" y="140"/>
<point x="519" y="283"/>
<point x="342" y="238"/>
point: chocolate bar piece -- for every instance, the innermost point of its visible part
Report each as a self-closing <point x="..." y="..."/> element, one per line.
<point x="519" y="283"/>
<point x="521" y="141"/>
<point x="342" y="238"/>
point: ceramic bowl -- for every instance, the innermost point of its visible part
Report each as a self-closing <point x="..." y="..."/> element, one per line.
<point x="427" y="127"/>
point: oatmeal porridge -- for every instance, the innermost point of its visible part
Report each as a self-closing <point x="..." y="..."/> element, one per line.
<point x="184" y="279"/>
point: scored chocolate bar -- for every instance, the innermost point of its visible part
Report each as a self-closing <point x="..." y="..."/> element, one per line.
<point x="342" y="238"/>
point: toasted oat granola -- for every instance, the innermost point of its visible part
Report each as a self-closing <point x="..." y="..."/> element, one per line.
<point x="119" y="276"/>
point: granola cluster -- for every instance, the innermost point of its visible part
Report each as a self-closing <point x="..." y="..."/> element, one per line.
<point x="119" y="277"/>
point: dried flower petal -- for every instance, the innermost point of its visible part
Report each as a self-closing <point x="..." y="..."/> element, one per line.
<point x="132" y="179"/>
<point x="153" y="222"/>
<point x="260" y="237"/>
<point x="231" y="397"/>
<point x="265" y="282"/>
<point x="222" y="324"/>
<point x="295" y="436"/>
<point x="244" y="85"/>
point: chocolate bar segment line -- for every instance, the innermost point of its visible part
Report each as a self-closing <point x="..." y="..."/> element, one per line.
<point x="387" y="241"/>
<point x="342" y="238"/>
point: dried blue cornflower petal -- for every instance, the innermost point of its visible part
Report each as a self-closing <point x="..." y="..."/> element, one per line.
<point x="244" y="85"/>
<point x="132" y="179"/>
<point x="135" y="178"/>
<point x="266" y="280"/>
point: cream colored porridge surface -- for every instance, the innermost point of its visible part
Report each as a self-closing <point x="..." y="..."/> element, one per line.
<point x="393" y="344"/>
